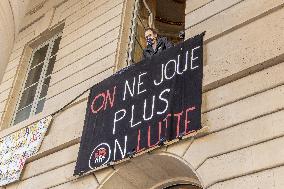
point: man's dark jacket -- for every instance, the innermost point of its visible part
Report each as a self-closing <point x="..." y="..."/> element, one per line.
<point x="162" y="44"/>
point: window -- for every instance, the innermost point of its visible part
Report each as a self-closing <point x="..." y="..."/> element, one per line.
<point x="167" y="18"/>
<point x="183" y="186"/>
<point x="37" y="80"/>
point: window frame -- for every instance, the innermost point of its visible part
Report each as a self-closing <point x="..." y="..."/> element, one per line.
<point x="135" y="45"/>
<point x="40" y="82"/>
<point x="132" y="37"/>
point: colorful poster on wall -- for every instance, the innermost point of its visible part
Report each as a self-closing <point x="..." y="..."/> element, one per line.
<point x="17" y="147"/>
<point x="151" y="103"/>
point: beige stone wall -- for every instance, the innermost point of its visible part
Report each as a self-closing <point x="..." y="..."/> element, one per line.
<point x="243" y="92"/>
<point x="87" y="54"/>
<point x="10" y="17"/>
<point x="242" y="97"/>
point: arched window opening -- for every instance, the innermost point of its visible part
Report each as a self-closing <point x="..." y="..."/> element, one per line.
<point x="183" y="186"/>
<point x="165" y="16"/>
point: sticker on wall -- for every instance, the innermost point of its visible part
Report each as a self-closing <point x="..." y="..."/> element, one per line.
<point x="17" y="147"/>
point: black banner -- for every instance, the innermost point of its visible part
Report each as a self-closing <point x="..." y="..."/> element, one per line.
<point x="143" y="106"/>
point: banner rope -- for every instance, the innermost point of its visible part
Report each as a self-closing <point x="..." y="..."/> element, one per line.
<point x="69" y="103"/>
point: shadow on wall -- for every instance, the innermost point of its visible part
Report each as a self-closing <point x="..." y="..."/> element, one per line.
<point x="11" y="13"/>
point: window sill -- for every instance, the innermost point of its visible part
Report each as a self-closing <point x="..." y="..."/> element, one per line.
<point x="23" y="124"/>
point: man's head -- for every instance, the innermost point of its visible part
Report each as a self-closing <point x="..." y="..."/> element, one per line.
<point x="151" y="36"/>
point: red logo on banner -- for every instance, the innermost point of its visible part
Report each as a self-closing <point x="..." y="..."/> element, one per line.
<point x="100" y="155"/>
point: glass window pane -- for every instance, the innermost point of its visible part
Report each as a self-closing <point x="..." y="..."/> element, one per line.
<point x="40" y="106"/>
<point x="39" y="56"/>
<point x="45" y="87"/>
<point x="50" y="65"/>
<point x="28" y="96"/>
<point x="33" y="75"/>
<point x="23" y="114"/>
<point x="56" y="46"/>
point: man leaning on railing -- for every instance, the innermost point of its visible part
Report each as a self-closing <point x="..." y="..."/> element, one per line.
<point x="155" y="44"/>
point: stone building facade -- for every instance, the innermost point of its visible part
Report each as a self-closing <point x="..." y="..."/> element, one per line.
<point x="242" y="111"/>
